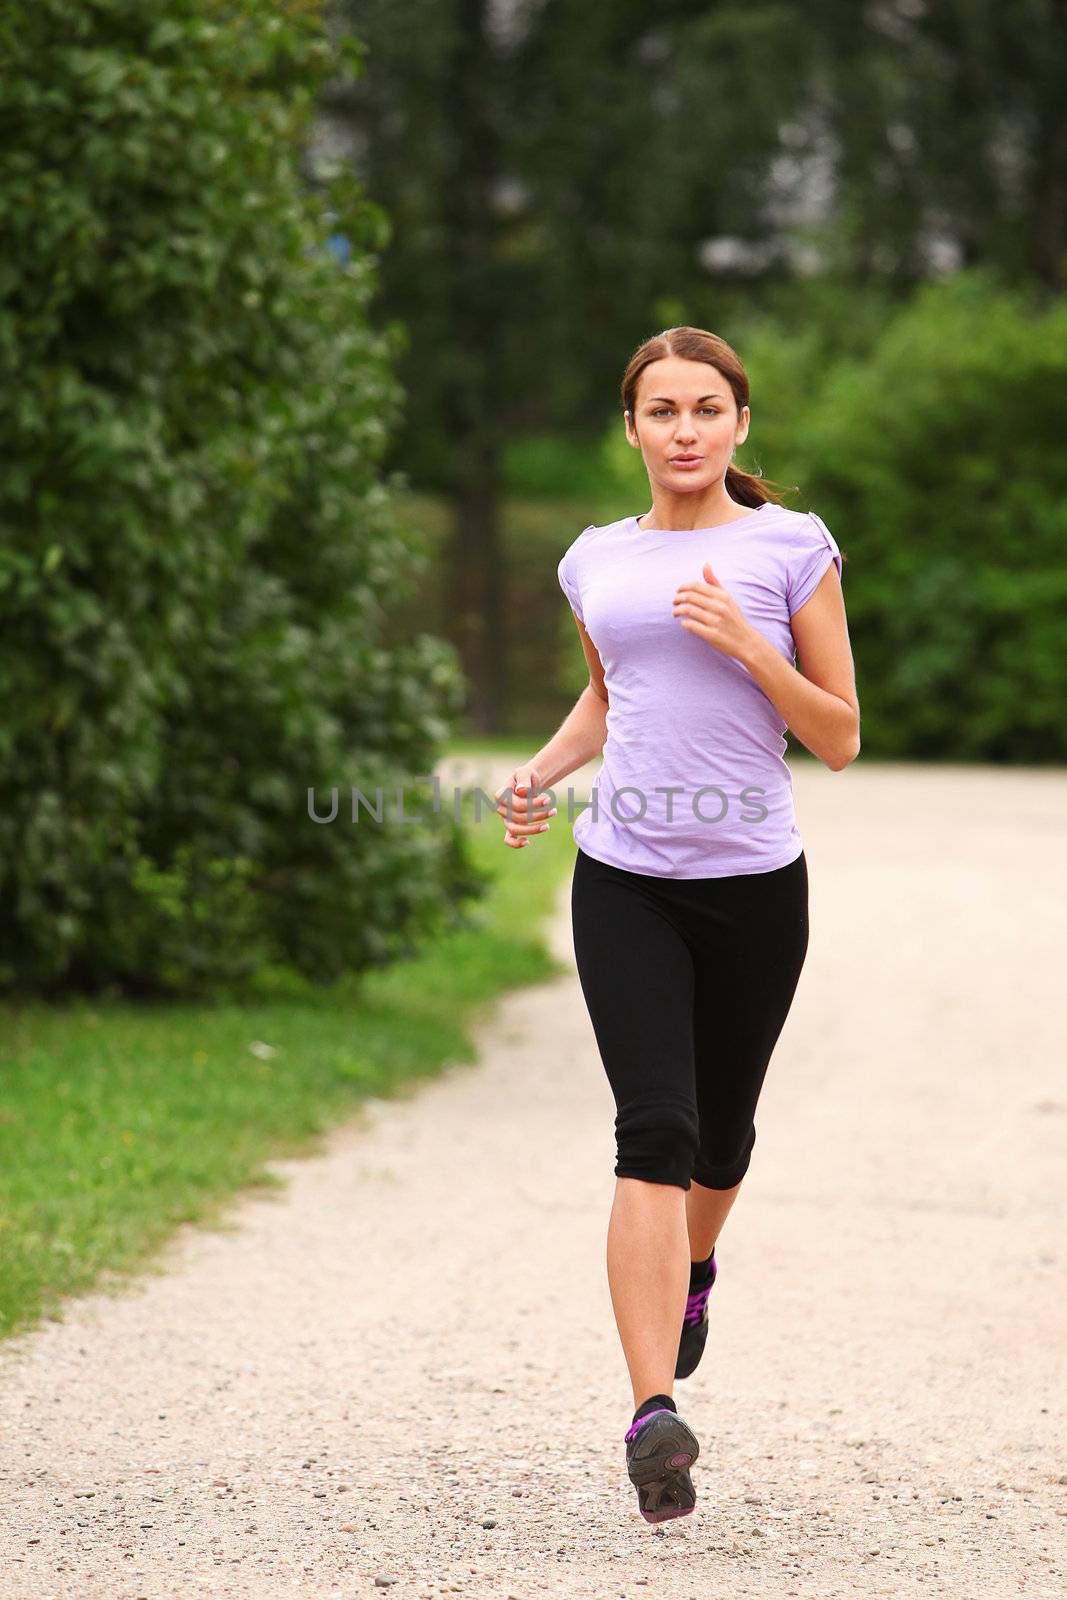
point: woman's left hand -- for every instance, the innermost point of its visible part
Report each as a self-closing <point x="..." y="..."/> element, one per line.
<point x="709" y="610"/>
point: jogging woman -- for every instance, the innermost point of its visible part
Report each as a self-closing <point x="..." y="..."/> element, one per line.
<point x="689" y="896"/>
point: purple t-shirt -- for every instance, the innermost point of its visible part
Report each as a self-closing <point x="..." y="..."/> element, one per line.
<point x="683" y="715"/>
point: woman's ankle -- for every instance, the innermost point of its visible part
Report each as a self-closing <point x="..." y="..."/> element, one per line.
<point x="655" y="1402"/>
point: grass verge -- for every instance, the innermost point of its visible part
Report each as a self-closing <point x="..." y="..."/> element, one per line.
<point x="119" y="1121"/>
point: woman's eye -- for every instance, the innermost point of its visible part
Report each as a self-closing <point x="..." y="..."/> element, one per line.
<point x="712" y="411"/>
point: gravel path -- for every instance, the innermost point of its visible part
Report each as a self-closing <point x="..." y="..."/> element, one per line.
<point x="403" y="1373"/>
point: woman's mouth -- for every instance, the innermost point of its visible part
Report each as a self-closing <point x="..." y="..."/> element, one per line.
<point x="686" y="463"/>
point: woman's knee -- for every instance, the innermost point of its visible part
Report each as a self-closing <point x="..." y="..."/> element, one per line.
<point x="722" y="1164"/>
<point x="657" y="1141"/>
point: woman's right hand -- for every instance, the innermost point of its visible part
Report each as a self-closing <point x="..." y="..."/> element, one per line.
<point x="528" y="812"/>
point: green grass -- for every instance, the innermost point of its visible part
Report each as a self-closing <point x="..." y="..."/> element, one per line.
<point x="508" y="744"/>
<point x="119" y="1121"/>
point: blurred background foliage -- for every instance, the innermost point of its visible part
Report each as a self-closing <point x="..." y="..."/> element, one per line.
<point x="198" y="538"/>
<point x="815" y="182"/>
<point x="312" y="320"/>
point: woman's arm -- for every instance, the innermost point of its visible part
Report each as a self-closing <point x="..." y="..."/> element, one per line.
<point x="819" y="703"/>
<point x="581" y="736"/>
<point x="579" y="739"/>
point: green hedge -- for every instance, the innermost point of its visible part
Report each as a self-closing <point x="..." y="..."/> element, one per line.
<point x="928" y="433"/>
<point x="935" y="454"/>
<point x="196" y="547"/>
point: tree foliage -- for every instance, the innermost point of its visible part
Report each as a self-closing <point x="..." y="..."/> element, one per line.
<point x="196" y="543"/>
<point x="933" y="449"/>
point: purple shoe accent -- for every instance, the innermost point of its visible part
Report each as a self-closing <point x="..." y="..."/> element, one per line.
<point x="636" y="1427"/>
<point x="694" y="1306"/>
<point x="696" y="1302"/>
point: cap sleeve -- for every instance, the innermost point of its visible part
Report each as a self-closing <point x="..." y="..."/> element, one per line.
<point x="567" y="572"/>
<point x="810" y="555"/>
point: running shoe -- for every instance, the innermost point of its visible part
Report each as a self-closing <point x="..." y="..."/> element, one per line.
<point x="694" y="1327"/>
<point x="660" y="1449"/>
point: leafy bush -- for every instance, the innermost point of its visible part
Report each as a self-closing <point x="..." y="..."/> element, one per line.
<point x="196" y="549"/>
<point x="934" y="453"/>
<point x="940" y="460"/>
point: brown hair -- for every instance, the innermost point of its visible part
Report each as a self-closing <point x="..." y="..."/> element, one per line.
<point x="697" y="344"/>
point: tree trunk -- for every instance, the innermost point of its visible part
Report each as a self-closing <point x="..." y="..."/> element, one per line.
<point x="476" y="587"/>
<point x="478" y="314"/>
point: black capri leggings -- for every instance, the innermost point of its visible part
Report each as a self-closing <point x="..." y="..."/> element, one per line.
<point x="688" y="982"/>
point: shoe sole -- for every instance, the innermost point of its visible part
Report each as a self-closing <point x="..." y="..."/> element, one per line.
<point x="665" y="1449"/>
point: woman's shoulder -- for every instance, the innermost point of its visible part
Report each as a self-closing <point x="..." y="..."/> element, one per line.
<point x="808" y="531"/>
<point x="594" y="534"/>
<point x="811" y="549"/>
<point x="798" y="532"/>
<point x="788" y="519"/>
<point x="596" y="528"/>
<point x="573" y="563"/>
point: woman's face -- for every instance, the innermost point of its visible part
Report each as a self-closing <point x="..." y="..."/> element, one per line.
<point x="685" y="409"/>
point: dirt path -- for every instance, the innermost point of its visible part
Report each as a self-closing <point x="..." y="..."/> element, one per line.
<point x="406" y="1367"/>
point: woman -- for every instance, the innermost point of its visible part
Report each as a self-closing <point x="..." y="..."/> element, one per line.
<point x="690" y="892"/>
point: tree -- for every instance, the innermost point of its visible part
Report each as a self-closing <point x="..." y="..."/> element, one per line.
<point x="196" y="543"/>
<point x="566" y="179"/>
<point x="549" y="188"/>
